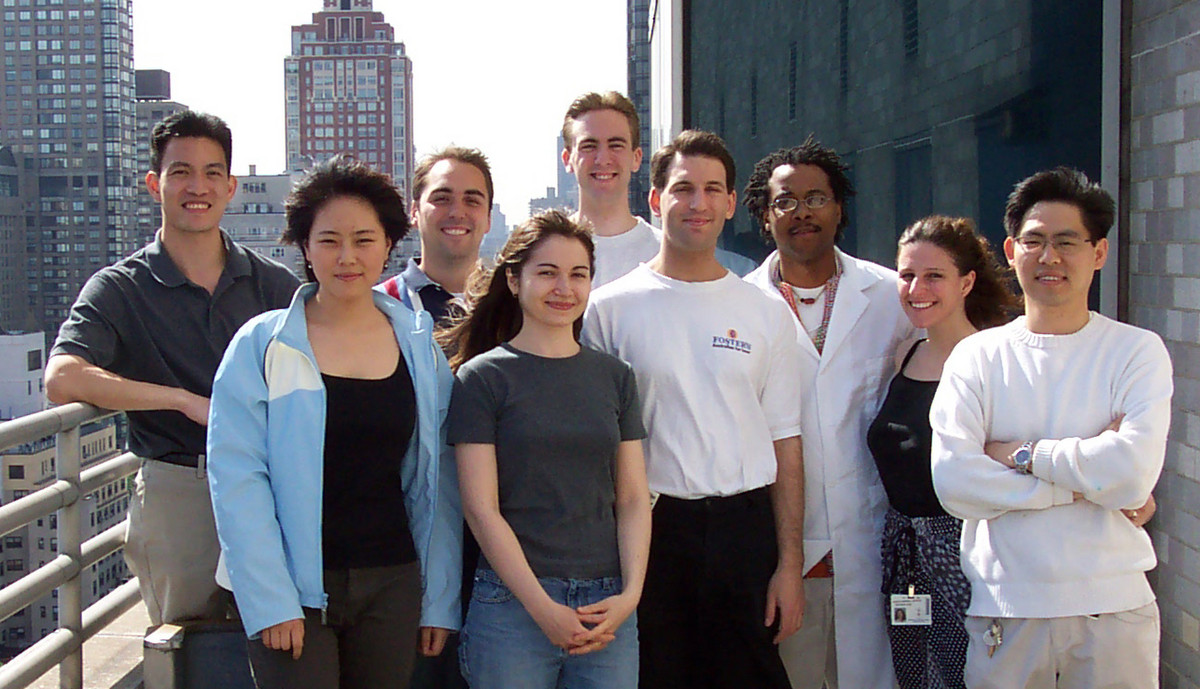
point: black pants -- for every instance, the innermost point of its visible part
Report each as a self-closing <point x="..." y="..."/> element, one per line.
<point x="369" y="639"/>
<point x="701" y="617"/>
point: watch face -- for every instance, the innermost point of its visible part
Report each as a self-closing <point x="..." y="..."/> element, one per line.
<point x="1023" y="458"/>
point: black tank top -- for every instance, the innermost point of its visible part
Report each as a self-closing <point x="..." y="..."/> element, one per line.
<point x="368" y="426"/>
<point x="900" y="440"/>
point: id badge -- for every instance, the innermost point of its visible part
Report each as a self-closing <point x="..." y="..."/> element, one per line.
<point x="913" y="609"/>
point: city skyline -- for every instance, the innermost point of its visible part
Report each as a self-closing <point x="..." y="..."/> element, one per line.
<point x="503" y="96"/>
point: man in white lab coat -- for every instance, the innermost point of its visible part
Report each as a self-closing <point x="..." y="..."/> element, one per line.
<point x="851" y="325"/>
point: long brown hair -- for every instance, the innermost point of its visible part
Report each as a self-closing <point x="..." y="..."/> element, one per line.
<point x="493" y="312"/>
<point x="991" y="300"/>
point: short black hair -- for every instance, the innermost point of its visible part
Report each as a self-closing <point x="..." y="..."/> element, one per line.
<point x="339" y="178"/>
<point x="1066" y="185"/>
<point x="757" y="195"/>
<point x="190" y="124"/>
<point x="691" y="142"/>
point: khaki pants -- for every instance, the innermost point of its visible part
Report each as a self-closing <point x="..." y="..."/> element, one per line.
<point x="1118" y="650"/>
<point x="171" y="544"/>
<point x="809" y="655"/>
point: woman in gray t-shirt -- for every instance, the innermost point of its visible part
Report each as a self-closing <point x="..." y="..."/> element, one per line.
<point x="548" y="437"/>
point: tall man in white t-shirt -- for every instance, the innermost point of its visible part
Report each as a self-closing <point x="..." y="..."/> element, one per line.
<point x="602" y="148"/>
<point x="850" y="326"/>
<point x="1044" y="431"/>
<point x="716" y="361"/>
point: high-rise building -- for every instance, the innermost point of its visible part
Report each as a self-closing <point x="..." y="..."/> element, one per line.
<point x="153" y="91"/>
<point x="348" y="87"/>
<point x="16" y="192"/>
<point x="495" y="238"/>
<point x="637" y="21"/>
<point x="568" y="186"/>
<point x="68" y="109"/>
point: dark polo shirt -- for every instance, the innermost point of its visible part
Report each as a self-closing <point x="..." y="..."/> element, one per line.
<point x="143" y="320"/>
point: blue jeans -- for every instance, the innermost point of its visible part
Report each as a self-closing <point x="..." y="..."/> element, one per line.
<point x="501" y="647"/>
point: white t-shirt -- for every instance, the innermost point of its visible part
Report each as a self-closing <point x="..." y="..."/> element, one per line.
<point x="716" y="364"/>
<point x="812" y="311"/>
<point x="621" y="253"/>
<point x="618" y="254"/>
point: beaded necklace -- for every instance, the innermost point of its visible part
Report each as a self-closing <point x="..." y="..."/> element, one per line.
<point x="831" y="286"/>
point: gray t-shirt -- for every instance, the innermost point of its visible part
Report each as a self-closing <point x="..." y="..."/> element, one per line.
<point x="556" y="425"/>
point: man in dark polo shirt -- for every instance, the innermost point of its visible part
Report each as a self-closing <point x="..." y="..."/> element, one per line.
<point x="452" y="210"/>
<point x="146" y="336"/>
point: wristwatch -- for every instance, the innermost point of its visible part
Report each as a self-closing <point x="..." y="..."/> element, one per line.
<point x="1022" y="458"/>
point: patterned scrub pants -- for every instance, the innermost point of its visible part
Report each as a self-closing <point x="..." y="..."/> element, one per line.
<point x="923" y="552"/>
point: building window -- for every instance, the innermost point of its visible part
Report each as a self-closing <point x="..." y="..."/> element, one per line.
<point x="844" y="49"/>
<point x="721" y="114"/>
<point x="792" y="55"/>
<point x="754" y="104"/>
<point x="913" y="190"/>
<point x="911" y="23"/>
<point x="16" y="471"/>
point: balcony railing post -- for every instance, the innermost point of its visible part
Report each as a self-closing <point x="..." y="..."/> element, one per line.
<point x="70" y="532"/>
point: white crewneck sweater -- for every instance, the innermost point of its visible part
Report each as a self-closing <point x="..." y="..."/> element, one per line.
<point x="1029" y="548"/>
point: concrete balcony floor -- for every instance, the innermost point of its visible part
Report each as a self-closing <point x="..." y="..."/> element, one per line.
<point x="113" y="658"/>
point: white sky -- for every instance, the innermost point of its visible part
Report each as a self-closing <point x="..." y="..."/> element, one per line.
<point x="493" y="74"/>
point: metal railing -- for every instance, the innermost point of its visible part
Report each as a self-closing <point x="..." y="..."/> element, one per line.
<point x="64" y="646"/>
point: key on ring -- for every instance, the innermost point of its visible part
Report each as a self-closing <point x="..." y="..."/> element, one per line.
<point x="993" y="637"/>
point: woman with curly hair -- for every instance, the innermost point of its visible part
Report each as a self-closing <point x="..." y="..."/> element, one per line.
<point x="950" y="285"/>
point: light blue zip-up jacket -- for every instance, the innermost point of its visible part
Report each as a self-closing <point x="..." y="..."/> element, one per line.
<point x="266" y="444"/>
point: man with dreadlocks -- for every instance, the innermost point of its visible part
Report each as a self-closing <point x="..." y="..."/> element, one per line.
<point x="850" y="325"/>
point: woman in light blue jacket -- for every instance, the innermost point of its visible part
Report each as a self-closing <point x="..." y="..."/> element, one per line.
<point x="335" y="498"/>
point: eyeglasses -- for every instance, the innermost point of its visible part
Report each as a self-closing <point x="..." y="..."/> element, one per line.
<point x="787" y="204"/>
<point x="1063" y="246"/>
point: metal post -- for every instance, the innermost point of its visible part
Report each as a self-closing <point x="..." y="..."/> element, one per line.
<point x="70" y="531"/>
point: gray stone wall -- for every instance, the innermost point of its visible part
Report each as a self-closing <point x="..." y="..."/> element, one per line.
<point x="1164" y="295"/>
<point x="970" y="57"/>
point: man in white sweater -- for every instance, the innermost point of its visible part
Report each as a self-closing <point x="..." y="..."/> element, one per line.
<point x="1044" y="430"/>
<point x="716" y="361"/>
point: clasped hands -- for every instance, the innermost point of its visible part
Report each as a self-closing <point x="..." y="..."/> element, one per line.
<point x="587" y="628"/>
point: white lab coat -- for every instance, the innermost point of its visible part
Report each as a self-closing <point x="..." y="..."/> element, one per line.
<point x="844" y="498"/>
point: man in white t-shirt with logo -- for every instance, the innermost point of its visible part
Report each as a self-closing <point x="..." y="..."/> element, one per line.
<point x="716" y="361"/>
<point x="602" y="148"/>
